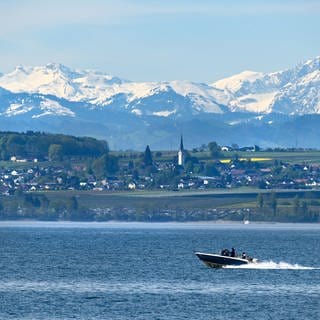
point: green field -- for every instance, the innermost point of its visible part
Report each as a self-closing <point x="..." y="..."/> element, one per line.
<point x="241" y="198"/>
<point x="291" y="206"/>
<point x="288" y="157"/>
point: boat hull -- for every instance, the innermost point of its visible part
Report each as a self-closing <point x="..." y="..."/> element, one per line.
<point x="218" y="261"/>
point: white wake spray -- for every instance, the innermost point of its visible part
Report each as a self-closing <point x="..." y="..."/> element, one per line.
<point x="271" y="265"/>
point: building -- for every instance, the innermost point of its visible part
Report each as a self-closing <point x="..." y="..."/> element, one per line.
<point x="181" y="153"/>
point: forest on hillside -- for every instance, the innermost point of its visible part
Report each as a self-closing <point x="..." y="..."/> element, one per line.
<point x="49" y="146"/>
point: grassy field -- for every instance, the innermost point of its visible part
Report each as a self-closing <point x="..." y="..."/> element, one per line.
<point x="301" y="157"/>
<point x="164" y="206"/>
<point x="309" y="156"/>
<point x="175" y="200"/>
<point x="149" y="200"/>
<point x="289" y="157"/>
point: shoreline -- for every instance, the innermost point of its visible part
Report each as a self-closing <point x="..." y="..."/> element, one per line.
<point x="160" y="225"/>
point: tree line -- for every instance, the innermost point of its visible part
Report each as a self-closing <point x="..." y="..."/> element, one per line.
<point x="49" y="146"/>
<point x="296" y="209"/>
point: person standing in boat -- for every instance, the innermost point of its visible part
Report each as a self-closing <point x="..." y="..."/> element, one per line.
<point x="233" y="252"/>
<point x="225" y="252"/>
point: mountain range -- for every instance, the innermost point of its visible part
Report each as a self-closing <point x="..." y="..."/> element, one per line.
<point x="268" y="109"/>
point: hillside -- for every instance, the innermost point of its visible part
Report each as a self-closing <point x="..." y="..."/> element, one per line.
<point x="37" y="145"/>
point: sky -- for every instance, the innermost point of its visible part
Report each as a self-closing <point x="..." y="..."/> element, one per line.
<point x="148" y="40"/>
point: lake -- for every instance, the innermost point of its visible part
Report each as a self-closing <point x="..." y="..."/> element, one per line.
<point x="149" y="271"/>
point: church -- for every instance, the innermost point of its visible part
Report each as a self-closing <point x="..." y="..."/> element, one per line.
<point x="181" y="153"/>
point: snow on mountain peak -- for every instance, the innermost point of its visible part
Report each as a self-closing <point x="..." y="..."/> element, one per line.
<point x="294" y="90"/>
<point x="103" y="89"/>
<point x="234" y="83"/>
<point x="57" y="67"/>
<point x="313" y="63"/>
<point x="51" y="79"/>
<point x="59" y="80"/>
<point x="50" y="107"/>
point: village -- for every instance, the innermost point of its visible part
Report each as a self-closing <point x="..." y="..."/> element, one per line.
<point x="148" y="171"/>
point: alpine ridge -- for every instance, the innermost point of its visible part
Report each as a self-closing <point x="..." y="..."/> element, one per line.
<point x="55" y="97"/>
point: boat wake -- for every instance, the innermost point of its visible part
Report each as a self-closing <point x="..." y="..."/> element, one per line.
<point x="271" y="265"/>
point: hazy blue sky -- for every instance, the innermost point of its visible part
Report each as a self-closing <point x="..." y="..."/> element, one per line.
<point x="201" y="40"/>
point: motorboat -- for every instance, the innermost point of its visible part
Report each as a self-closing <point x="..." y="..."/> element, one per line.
<point x="214" y="260"/>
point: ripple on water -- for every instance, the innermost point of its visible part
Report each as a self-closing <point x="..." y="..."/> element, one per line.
<point x="132" y="288"/>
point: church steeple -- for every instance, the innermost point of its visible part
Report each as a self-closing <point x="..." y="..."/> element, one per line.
<point x="181" y="144"/>
<point x="181" y="153"/>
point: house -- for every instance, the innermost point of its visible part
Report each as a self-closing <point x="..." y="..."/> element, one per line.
<point x="180" y="185"/>
<point x="132" y="186"/>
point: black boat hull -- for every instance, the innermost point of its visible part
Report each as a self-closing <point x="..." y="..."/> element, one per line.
<point x="218" y="261"/>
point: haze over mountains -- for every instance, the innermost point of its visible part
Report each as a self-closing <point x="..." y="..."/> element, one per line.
<point x="274" y="109"/>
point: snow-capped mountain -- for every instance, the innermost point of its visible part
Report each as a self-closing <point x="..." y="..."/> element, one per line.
<point x="293" y="91"/>
<point x="103" y="90"/>
<point x="60" y="81"/>
<point x="56" y="98"/>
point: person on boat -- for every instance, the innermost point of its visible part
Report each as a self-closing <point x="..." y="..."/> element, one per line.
<point x="244" y="255"/>
<point x="233" y="252"/>
<point x="225" y="252"/>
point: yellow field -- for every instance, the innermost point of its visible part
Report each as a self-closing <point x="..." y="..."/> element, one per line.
<point x="246" y="159"/>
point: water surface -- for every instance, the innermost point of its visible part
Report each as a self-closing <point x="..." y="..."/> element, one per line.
<point x="149" y="271"/>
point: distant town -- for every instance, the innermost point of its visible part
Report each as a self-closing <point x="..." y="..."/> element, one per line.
<point x="208" y="167"/>
<point x="38" y="164"/>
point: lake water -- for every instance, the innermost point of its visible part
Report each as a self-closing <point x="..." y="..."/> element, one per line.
<point x="149" y="271"/>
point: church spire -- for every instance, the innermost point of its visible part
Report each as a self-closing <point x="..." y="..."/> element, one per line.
<point x="181" y="144"/>
<point x="181" y="153"/>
